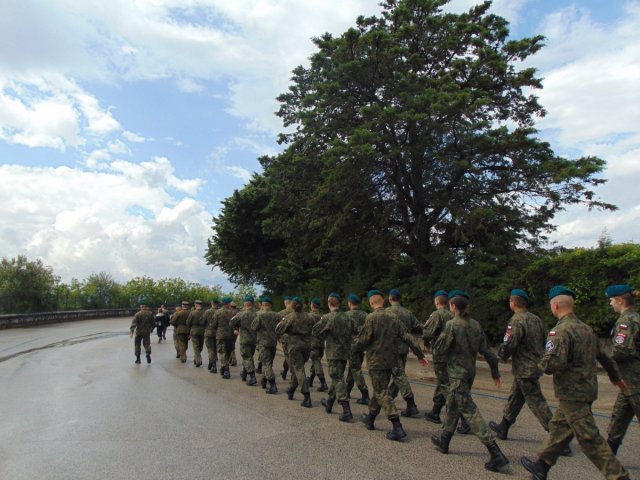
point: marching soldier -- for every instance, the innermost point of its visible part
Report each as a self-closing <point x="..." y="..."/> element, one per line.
<point x="317" y="349"/>
<point x="179" y="322"/>
<point x="196" y="325"/>
<point x="354" y="374"/>
<point x="264" y="324"/>
<point x="241" y="324"/>
<point x="142" y="325"/>
<point x="284" y="337"/>
<point x="224" y="335"/>
<point x="175" y="332"/>
<point x="210" y="335"/>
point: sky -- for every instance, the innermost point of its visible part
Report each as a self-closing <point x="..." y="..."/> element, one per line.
<point x="125" y="124"/>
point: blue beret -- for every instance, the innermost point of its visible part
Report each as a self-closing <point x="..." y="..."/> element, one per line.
<point x="353" y="298"/>
<point x="316" y="301"/>
<point x="143" y="302"/>
<point x="226" y="300"/>
<point x="297" y="300"/>
<point x="288" y="297"/>
<point x="440" y="293"/>
<point x="373" y="292"/>
<point x="395" y="292"/>
<point x="249" y="298"/>
<point x="266" y="299"/>
<point x="617" y="290"/>
<point x="335" y="295"/>
<point x="518" y="292"/>
<point x="560" y="290"/>
<point x="458" y="293"/>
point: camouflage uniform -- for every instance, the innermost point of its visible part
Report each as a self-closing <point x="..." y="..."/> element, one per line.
<point x="571" y="353"/>
<point x="264" y="325"/>
<point x="196" y="324"/>
<point x="179" y="322"/>
<point x="242" y="322"/>
<point x="626" y="353"/>
<point x="317" y="352"/>
<point x="284" y="341"/>
<point x="432" y="329"/>
<point x="400" y="383"/>
<point x="354" y="374"/>
<point x="297" y="327"/>
<point x="143" y="324"/>
<point x="460" y="342"/>
<point x="380" y="335"/>
<point x="335" y="329"/>
<point x="210" y="338"/>
<point x="524" y="342"/>
<point x="224" y="336"/>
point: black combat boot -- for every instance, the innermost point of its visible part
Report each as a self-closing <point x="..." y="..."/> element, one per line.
<point x="272" y="387"/>
<point x="613" y="446"/>
<point x="226" y="374"/>
<point x="350" y="385"/>
<point x="368" y="420"/>
<point x="327" y="403"/>
<point x="442" y="441"/>
<point x="259" y="369"/>
<point x="290" y="392"/>
<point x="283" y="373"/>
<point x="463" y="427"/>
<point x="233" y="362"/>
<point x="411" y="409"/>
<point x="323" y="384"/>
<point x="501" y="429"/>
<point x="365" y="397"/>
<point x="346" y="416"/>
<point x="307" y="400"/>
<point x="209" y="366"/>
<point x="310" y="379"/>
<point x="243" y="375"/>
<point x="214" y="369"/>
<point x="148" y="358"/>
<point x="138" y="358"/>
<point x="177" y="355"/>
<point x="433" y="416"/>
<point x="537" y="469"/>
<point x="398" y="432"/>
<point x="251" y="379"/>
<point x="497" y="459"/>
<point x="567" y="452"/>
<point x="263" y="382"/>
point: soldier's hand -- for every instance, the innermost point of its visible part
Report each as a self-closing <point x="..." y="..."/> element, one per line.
<point x="498" y="382"/>
<point x="424" y="362"/>
<point x="236" y="333"/>
<point x="622" y="385"/>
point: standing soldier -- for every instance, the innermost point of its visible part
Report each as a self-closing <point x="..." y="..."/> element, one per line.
<point x="571" y="353"/>
<point x="335" y="329"/>
<point x="142" y="324"/>
<point x="264" y="324"/>
<point x="233" y="361"/>
<point x="284" y="340"/>
<point x="354" y="375"/>
<point x="297" y="325"/>
<point x="175" y="331"/>
<point x="317" y="349"/>
<point x="400" y="383"/>
<point x="162" y="321"/>
<point x="210" y="335"/>
<point x="381" y="333"/>
<point x="241" y="325"/>
<point x="224" y="335"/>
<point x="179" y="322"/>
<point x="196" y="324"/>
<point x="626" y="352"/>
<point x="432" y="330"/>
<point x="524" y="342"/>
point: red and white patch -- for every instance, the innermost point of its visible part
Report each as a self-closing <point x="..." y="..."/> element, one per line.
<point x="552" y="333"/>
<point x="620" y="338"/>
<point x="623" y="326"/>
<point x="506" y="338"/>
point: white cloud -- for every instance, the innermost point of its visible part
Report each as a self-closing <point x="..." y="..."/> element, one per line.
<point x="81" y="222"/>
<point x="134" y="137"/>
<point x="188" y="85"/>
<point x="238" y="172"/>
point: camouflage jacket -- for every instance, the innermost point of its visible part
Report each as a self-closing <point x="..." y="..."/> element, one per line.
<point x="143" y="322"/>
<point x="208" y="320"/>
<point x="297" y="326"/>
<point x="220" y="323"/>
<point x="460" y="342"/>
<point x="570" y="356"/>
<point x="626" y="349"/>
<point x="433" y="328"/>
<point x="242" y="322"/>
<point x="196" y="322"/>
<point x="380" y="335"/>
<point x="335" y="329"/>
<point x="284" y="338"/>
<point x="316" y="341"/>
<point x="264" y="325"/>
<point x="179" y="321"/>
<point x="357" y="318"/>
<point x="409" y="321"/>
<point x="524" y="341"/>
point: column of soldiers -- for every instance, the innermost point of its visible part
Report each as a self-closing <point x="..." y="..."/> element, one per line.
<point x="568" y="352"/>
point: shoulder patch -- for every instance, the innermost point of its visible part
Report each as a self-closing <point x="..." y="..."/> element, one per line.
<point x="509" y="327"/>
<point x="507" y="337"/>
<point x="552" y="333"/>
<point x="623" y="326"/>
<point x="550" y="346"/>
<point x="620" y="338"/>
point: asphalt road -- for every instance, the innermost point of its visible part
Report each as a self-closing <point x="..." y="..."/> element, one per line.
<point x="74" y="406"/>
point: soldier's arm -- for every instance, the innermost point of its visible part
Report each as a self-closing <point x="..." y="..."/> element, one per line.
<point x="489" y="357"/>
<point x="134" y="323"/>
<point x="556" y="353"/>
<point x="430" y="329"/>
<point x="625" y="341"/>
<point x="609" y="364"/>
<point x="443" y="343"/>
<point x="321" y="327"/>
<point x="411" y="342"/>
<point x="511" y="340"/>
<point x="255" y="324"/>
<point x="364" y="339"/>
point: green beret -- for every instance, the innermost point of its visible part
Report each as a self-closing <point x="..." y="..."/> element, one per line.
<point x="518" y="292"/>
<point x="249" y="298"/>
<point x="298" y="300"/>
<point x="373" y="292"/>
<point x="440" y="293"/>
<point x="316" y="301"/>
<point x="266" y="299"/>
<point x="287" y="297"/>
<point x="560" y="290"/>
<point x="143" y="302"/>
<point x="335" y="295"/>
<point x="395" y="292"/>
<point x="458" y="293"/>
<point x="215" y="300"/>
<point x="617" y="290"/>
<point x="353" y="298"/>
<point x="226" y="300"/>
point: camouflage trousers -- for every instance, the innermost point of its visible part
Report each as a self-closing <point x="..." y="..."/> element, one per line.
<point x="175" y="342"/>
<point x="183" y="345"/>
<point x="338" y="388"/>
<point x="442" y="378"/>
<point x="400" y="383"/>
<point x="198" y="342"/>
<point x="225" y="347"/>
<point x="316" y="361"/>
<point x="576" y="419"/>
<point x="266" y="356"/>
<point x="623" y="411"/>
<point x="381" y="398"/>
<point x="527" y="390"/>
<point x="285" y="352"/>
<point x="298" y="356"/>
<point x="145" y="339"/>
<point x="460" y="403"/>
<point x="247" y="351"/>
<point x="210" y="343"/>
<point x="354" y="374"/>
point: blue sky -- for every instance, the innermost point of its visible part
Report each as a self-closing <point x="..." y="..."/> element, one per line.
<point x="123" y="125"/>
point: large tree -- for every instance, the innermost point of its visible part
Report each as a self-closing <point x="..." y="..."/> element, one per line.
<point x="26" y="286"/>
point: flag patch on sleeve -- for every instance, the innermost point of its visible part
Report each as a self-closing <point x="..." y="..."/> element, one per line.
<point x="620" y="338"/>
